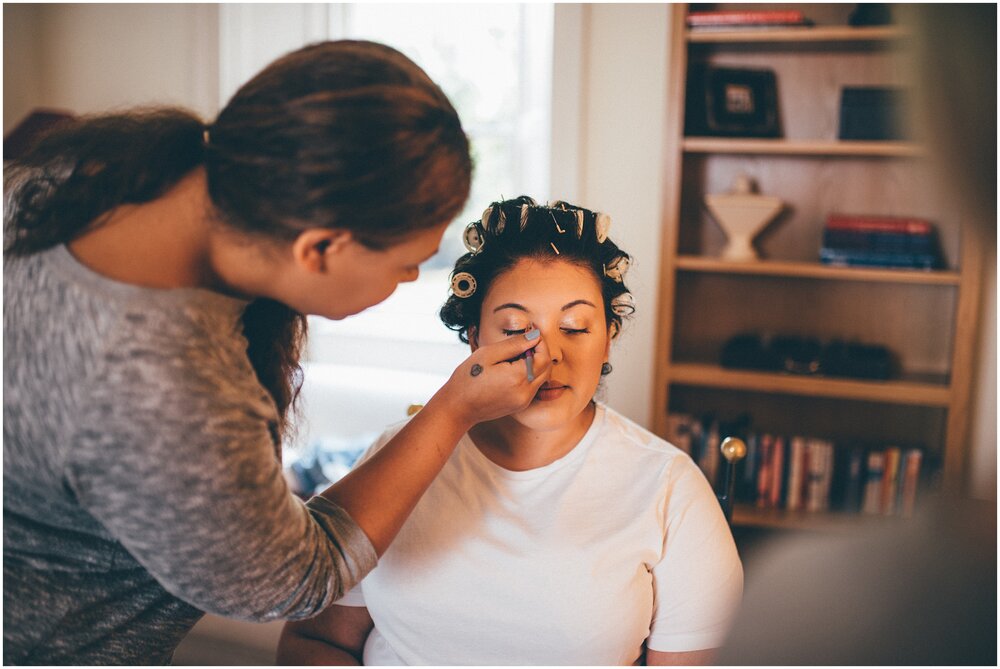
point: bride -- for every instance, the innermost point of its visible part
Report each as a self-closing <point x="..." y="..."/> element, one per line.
<point x="563" y="534"/>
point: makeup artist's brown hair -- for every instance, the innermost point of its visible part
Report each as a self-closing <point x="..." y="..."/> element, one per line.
<point x="346" y="134"/>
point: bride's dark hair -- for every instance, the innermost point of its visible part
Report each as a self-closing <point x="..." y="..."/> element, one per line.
<point x="513" y="230"/>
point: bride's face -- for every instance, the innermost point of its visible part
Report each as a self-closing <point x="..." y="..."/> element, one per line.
<point x="564" y="301"/>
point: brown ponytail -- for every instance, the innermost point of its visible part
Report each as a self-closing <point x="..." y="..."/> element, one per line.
<point x="345" y="134"/>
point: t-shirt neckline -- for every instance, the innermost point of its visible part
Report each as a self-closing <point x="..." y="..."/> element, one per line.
<point x="573" y="455"/>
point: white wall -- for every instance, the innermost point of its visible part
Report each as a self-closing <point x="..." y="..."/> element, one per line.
<point x="87" y="58"/>
<point x="21" y="62"/>
<point x="622" y="165"/>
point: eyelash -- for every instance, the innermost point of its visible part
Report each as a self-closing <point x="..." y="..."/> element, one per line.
<point x="569" y="331"/>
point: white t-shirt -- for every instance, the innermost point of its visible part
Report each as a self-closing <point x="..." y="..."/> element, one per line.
<point x="620" y="541"/>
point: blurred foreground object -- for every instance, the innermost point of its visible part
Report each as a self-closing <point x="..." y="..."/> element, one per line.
<point x="921" y="592"/>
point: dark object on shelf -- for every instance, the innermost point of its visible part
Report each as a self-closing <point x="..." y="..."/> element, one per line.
<point x="23" y="136"/>
<point x="797" y="355"/>
<point x="732" y="102"/>
<point x="872" y="113"/>
<point x="748" y="351"/>
<point x="807" y="355"/>
<point x="871" y="14"/>
<point x="859" y="361"/>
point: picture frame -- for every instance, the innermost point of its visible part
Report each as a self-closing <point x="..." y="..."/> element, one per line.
<point x="731" y="102"/>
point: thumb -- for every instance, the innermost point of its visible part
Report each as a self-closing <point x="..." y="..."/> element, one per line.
<point x="510" y="348"/>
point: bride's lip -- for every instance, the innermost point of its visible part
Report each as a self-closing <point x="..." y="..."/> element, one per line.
<point x="550" y="392"/>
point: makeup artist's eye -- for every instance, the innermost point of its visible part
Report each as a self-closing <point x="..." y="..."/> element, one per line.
<point x="511" y="333"/>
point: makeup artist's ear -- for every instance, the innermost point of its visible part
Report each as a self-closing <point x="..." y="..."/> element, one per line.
<point x="313" y="248"/>
<point x="473" y="338"/>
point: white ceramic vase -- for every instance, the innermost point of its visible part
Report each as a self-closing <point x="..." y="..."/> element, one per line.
<point x="742" y="214"/>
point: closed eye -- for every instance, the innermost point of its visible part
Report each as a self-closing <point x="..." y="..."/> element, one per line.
<point x="573" y="331"/>
<point x="511" y="333"/>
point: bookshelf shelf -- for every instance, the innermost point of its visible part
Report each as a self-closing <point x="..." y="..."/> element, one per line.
<point x="921" y="393"/>
<point x="746" y="515"/>
<point x="832" y="33"/>
<point x="925" y="318"/>
<point x="801" y="147"/>
<point x="810" y="270"/>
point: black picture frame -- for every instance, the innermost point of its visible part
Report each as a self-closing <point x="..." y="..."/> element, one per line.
<point x="731" y="102"/>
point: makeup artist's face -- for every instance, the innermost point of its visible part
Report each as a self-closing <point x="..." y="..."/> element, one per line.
<point x="360" y="277"/>
<point x="564" y="301"/>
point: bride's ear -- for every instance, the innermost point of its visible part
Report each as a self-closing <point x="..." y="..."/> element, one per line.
<point x="473" y="338"/>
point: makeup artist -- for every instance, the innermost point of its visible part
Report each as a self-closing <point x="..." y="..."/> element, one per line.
<point x="157" y="274"/>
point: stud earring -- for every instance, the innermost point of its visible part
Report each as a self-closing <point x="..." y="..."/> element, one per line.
<point x="606" y="369"/>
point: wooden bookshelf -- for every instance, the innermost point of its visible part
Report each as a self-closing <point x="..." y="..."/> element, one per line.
<point x="927" y="319"/>
<point x="828" y="33"/>
<point x="921" y="393"/>
<point x="815" y="270"/>
<point x="745" y="515"/>
<point x="818" y="148"/>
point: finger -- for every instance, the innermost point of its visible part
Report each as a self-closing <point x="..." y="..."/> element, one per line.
<point x="504" y="350"/>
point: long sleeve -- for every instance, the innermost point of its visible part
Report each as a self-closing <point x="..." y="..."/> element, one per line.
<point x="174" y="455"/>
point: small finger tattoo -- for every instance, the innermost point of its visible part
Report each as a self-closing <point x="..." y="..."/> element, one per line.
<point x="476" y="370"/>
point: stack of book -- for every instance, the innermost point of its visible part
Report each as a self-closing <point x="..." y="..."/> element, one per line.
<point x="806" y="474"/>
<point x="891" y="480"/>
<point x="879" y="241"/>
<point x="741" y="19"/>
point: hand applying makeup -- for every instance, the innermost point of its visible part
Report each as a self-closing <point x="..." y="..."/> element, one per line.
<point x="500" y="385"/>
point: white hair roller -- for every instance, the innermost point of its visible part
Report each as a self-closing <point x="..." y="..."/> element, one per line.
<point x="617" y="269"/>
<point x="486" y="217"/>
<point x="623" y="305"/>
<point x="579" y="224"/>
<point x="603" y="224"/>
<point x="524" y="215"/>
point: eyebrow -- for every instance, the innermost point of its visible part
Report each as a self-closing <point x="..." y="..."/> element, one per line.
<point x="519" y="307"/>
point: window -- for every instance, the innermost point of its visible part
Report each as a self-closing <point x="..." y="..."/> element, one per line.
<point x="494" y="61"/>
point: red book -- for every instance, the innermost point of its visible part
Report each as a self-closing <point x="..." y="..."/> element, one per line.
<point x="896" y="224"/>
<point x="890" y="479"/>
<point x="911" y="478"/>
<point x="766" y="447"/>
<point x="777" y="469"/>
<point x="746" y="18"/>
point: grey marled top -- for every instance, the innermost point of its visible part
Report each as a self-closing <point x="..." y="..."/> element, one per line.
<point x="140" y="483"/>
